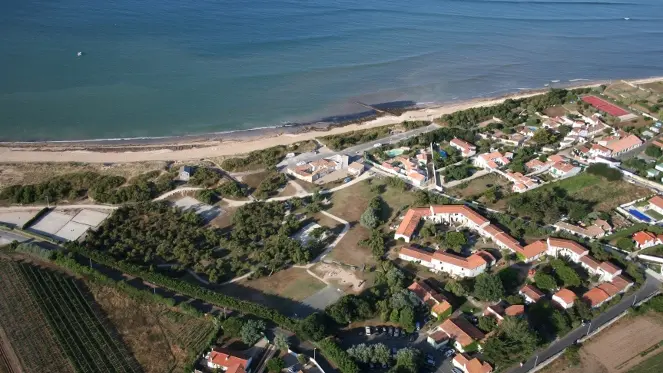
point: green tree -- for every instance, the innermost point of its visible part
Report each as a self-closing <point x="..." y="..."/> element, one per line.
<point x="394" y="317"/>
<point x="455" y="240"/>
<point x="232" y="326"/>
<point x="406" y="319"/>
<point x="381" y="353"/>
<point x="653" y="151"/>
<point x="488" y="287"/>
<point x="314" y="326"/>
<point x="625" y="243"/>
<point x="252" y="331"/>
<point x="545" y="281"/>
<point x="543" y="137"/>
<point x="568" y="276"/>
<point x="369" y="219"/>
<point x="408" y="360"/>
<point x="487" y="323"/>
<point x="281" y="342"/>
<point x="456" y="288"/>
<point x="513" y="342"/>
<point x="275" y="364"/>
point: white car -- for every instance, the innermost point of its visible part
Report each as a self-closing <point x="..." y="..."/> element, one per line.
<point x="368" y="330"/>
<point x="377" y="145"/>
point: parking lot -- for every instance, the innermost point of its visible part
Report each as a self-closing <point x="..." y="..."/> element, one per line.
<point x="415" y="340"/>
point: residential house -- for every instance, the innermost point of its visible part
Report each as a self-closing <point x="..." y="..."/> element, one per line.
<point x="355" y="168"/>
<point x="499" y="312"/>
<point x="416" y="177"/>
<point x="438" y="305"/>
<point x="474" y="365"/>
<point x="659" y="167"/>
<point x="312" y="171"/>
<point x="521" y="183"/>
<point x="531" y="293"/>
<point x="409" y="224"/>
<point x="624" y="144"/>
<point x="604" y="292"/>
<point x="656" y="204"/>
<point x="598" y="229"/>
<point x="463" y="334"/>
<point x="491" y="161"/>
<point x="607" y="271"/>
<point x="438" y="338"/>
<point x="564" y="169"/>
<point x="466" y="149"/>
<point x="439" y="261"/>
<point x="535" y="165"/>
<point x="422" y="158"/>
<point x="561" y="247"/>
<point x="186" y="172"/>
<point x="599" y="150"/>
<point x="652" y="172"/>
<point x="564" y="298"/>
<point x="645" y="239"/>
<point x="227" y="361"/>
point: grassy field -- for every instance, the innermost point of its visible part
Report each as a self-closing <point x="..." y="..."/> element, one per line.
<point x="555" y="111"/>
<point x="653" y="364"/>
<point x="254" y="179"/>
<point x="657" y="87"/>
<point x="605" y="195"/>
<point x="159" y="338"/>
<point x="478" y="186"/>
<point x="293" y="283"/>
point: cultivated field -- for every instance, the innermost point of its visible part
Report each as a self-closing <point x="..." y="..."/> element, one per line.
<point x="618" y="348"/>
<point x="80" y="329"/>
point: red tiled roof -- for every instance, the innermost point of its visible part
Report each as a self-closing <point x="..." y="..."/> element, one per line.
<point x="556" y="158"/>
<point x="462" y="331"/>
<point x="590" y="261"/>
<point x="515" y="310"/>
<point x="532" y="292"/>
<point x="488" y="257"/>
<point x="416" y="253"/>
<point x="609" y="288"/>
<point x="474" y="365"/>
<point x="439" y="336"/>
<point x="226" y="360"/>
<point x="471" y="262"/>
<point x="566" y="295"/>
<point x="492" y="230"/>
<point x="657" y="201"/>
<point x="463" y="144"/>
<point x="642" y="237"/>
<point x="410" y="222"/>
<point x="534" y="249"/>
<point x="563" y="166"/>
<point x="470" y="214"/>
<point x="509" y="242"/>
<point x="421" y="290"/>
<point x="441" y="307"/>
<point x="610" y="268"/>
<point x="621" y="282"/>
<point x="625" y="143"/>
<point x="567" y="244"/>
<point x="595" y="296"/>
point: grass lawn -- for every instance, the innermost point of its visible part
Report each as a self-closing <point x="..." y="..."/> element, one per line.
<point x="654" y="250"/>
<point x="351" y="202"/>
<point x="652" y="365"/>
<point x="253" y="180"/>
<point x="606" y="195"/>
<point x="654" y="214"/>
<point x="555" y="111"/>
<point x="478" y="186"/>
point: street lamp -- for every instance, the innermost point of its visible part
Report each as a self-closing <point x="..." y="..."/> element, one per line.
<point x="314" y="353"/>
<point x="589" y="327"/>
<point x="536" y="361"/>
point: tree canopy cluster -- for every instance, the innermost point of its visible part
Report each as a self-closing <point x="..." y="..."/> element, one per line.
<point x="547" y="205"/>
<point x="458" y="172"/>
<point x="602" y="169"/>
<point x="513" y="342"/>
<point x="270" y="185"/>
<point x="205" y="177"/>
<point x="102" y="188"/>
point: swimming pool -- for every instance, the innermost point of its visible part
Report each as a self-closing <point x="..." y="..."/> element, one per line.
<point x="639" y="215"/>
<point x="395" y="152"/>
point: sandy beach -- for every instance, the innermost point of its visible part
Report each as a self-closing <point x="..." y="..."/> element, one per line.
<point x="198" y="149"/>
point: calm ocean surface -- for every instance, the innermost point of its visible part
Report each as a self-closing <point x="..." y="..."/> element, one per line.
<point x="173" y="67"/>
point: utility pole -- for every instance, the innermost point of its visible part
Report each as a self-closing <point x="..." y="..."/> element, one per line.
<point x="635" y="296"/>
<point x="536" y="361"/>
<point x="590" y="327"/>
<point x="90" y="263"/>
<point x="314" y="353"/>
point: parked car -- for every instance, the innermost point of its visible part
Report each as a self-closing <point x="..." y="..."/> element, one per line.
<point x="391" y="330"/>
<point x="413" y="337"/>
<point x="394" y="350"/>
<point x="449" y="353"/>
<point x="418" y="326"/>
<point x="430" y="360"/>
<point x="396" y="332"/>
<point x="384" y="329"/>
<point x="368" y="330"/>
<point x="456" y="370"/>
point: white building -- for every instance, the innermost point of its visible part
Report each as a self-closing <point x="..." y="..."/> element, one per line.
<point x="491" y="161"/>
<point x="466" y="149"/>
<point x="564" y="169"/>
<point x="564" y="298"/>
<point x="656" y="204"/>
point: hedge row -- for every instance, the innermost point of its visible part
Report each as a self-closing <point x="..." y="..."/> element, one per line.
<point x="338" y="356"/>
<point x="191" y="290"/>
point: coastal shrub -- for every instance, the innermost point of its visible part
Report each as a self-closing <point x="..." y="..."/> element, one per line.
<point x="260" y="159"/>
<point x="231" y="189"/>
<point x="34" y="249"/>
<point x="205" y="177"/>
<point x="611" y="174"/>
<point x="270" y="185"/>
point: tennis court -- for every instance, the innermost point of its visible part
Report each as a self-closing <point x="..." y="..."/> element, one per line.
<point x="605" y="106"/>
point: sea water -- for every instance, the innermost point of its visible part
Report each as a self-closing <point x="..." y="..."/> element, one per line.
<point x="174" y="67"/>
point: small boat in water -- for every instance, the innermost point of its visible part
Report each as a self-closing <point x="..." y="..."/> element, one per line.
<point x="626" y="18"/>
<point x="79" y="54"/>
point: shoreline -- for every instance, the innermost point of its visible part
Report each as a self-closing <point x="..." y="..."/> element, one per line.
<point x="229" y="143"/>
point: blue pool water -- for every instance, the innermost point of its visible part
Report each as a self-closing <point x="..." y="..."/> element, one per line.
<point x="639" y="215"/>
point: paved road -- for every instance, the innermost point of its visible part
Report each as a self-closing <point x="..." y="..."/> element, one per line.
<point x="39" y="207"/>
<point x="650" y="287"/>
<point x="8" y="237"/>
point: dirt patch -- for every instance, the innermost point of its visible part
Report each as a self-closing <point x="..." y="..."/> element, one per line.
<point x="289" y="190"/>
<point x="292" y="283"/>
<point x="343" y="278"/>
<point x="555" y="111"/>
<point x="31" y="173"/>
<point x="616" y="349"/>
<point x="348" y="250"/>
<point x="478" y="186"/>
<point x="349" y="203"/>
<point x="637" y="123"/>
<point x="254" y="179"/>
<point x="656" y="87"/>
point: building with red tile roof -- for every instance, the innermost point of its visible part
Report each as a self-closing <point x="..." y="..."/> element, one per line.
<point x="461" y="332"/>
<point x="466" y="149"/>
<point x="531" y="293"/>
<point x="227" y="361"/>
<point x="534" y="250"/>
<point x="564" y="169"/>
<point x="475" y="365"/>
<point x="436" y="301"/>
<point x="595" y="297"/>
<point x="645" y="239"/>
<point x="624" y="144"/>
<point x="562" y="247"/>
<point x="564" y="298"/>
<point x="413" y="254"/>
<point x="656" y="204"/>
<point x="515" y="310"/>
<point x="491" y="161"/>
